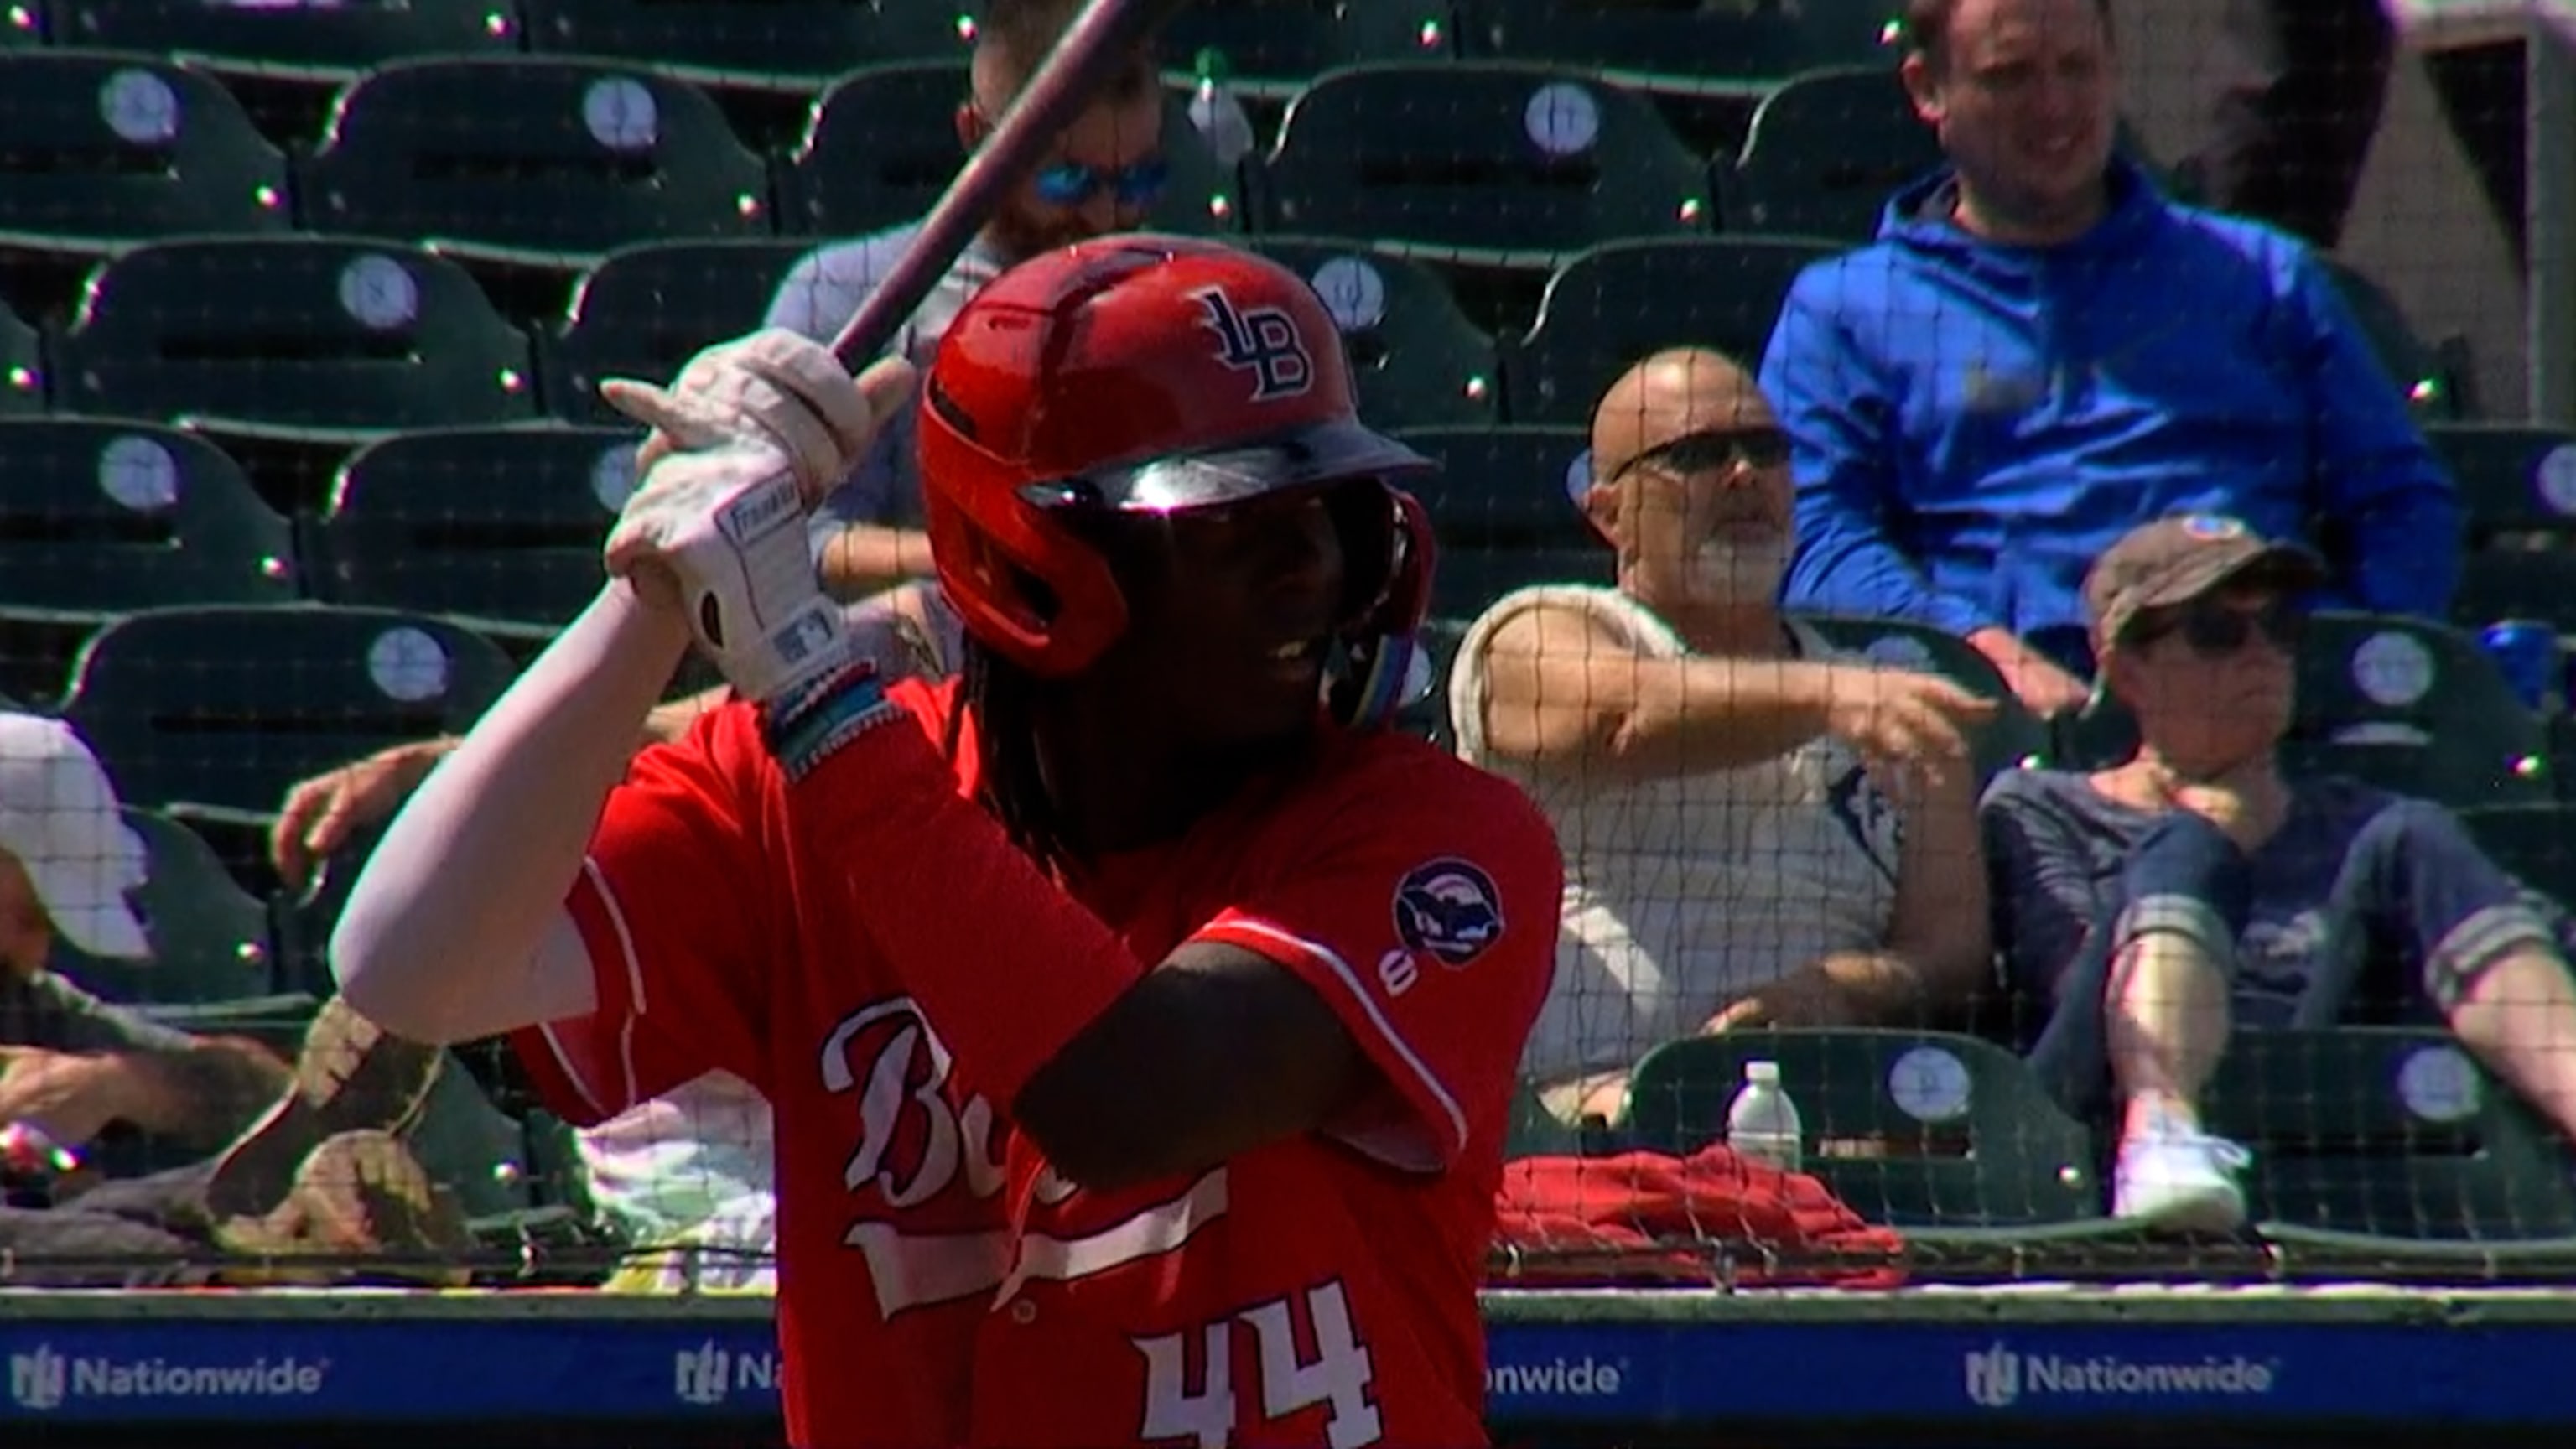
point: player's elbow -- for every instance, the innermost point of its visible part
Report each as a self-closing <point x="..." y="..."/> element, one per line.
<point x="1101" y="1151"/>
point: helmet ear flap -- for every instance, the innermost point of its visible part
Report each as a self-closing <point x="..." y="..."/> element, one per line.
<point x="1384" y="666"/>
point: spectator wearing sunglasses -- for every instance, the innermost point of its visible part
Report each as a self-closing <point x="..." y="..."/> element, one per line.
<point x="1756" y="831"/>
<point x="1103" y="174"/>
<point x="2154" y="908"/>
<point x="2041" y="351"/>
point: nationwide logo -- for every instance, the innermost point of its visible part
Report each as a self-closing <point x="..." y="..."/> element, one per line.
<point x="42" y="1378"/>
<point x="1998" y="1377"/>
<point x="710" y="1373"/>
<point x="1560" y="1377"/>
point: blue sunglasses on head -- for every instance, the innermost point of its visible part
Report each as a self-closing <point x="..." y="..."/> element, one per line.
<point x="1070" y="183"/>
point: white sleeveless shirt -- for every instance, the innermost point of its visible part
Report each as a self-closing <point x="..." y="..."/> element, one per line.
<point x="1683" y="893"/>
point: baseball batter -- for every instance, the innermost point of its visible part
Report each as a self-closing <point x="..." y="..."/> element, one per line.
<point x="1139" y="1017"/>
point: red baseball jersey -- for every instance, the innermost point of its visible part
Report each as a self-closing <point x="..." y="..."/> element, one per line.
<point x="892" y="1235"/>
<point x="1321" y="1290"/>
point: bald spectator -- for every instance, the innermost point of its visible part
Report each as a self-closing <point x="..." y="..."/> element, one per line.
<point x="1102" y="174"/>
<point x="1756" y="832"/>
<point x="2041" y="351"/>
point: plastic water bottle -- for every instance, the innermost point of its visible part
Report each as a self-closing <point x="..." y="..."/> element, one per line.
<point x="1216" y="112"/>
<point x="1762" y="1123"/>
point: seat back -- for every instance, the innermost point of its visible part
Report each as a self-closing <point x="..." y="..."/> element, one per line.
<point x="1825" y="152"/>
<point x="757" y="37"/>
<point x="2513" y="478"/>
<point x="645" y="310"/>
<point x="533" y="155"/>
<point x="1499" y="161"/>
<point x="1418" y="360"/>
<point x="22" y="365"/>
<point x="1756" y="43"/>
<point x="99" y="148"/>
<point x="309" y="331"/>
<point x="338" y="39"/>
<point x="502" y="524"/>
<point x="1503" y="508"/>
<point x="99" y="516"/>
<point x="1271" y="47"/>
<point x="1618" y="302"/>
<point x="229" y="707"/>
<point x="209" y="937"/>
<point x="2390" y="1132"/>
<point x="2417" y="707"/>
<point x="1915" y="1129"/>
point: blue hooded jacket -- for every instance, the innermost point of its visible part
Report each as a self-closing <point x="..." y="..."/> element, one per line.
<point x="1974" y="423"/>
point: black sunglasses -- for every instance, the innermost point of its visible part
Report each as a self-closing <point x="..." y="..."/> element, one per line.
<point x="2214" y="630"/>
<point x="1714" y="450"/>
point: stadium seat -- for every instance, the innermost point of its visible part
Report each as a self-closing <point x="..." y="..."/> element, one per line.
<point x="209" y="937"/>
<point x="1274" y="47"/>
<point x="2386" y="1140"/>
<point x="2417" y="708"/>
<point x="1825" y="152"/>
<point x="22" y="366"/>
<point x="2513" y="478"/>
<point x="317" y="41"/>
<point x="645" y="310"/>
<point x="547" y="163"/>
<point x="222" y="709"/>
<point x="100" y="516"/>
<point x="1491" y="163"/>
<point x="881" y="145"/>
<point x="1924" y="1131"/>
<point x="2433" y="391"/>
<point x="1503" y="507"/>
<point x="22" y="26"/>
<point x="2536" y="844"/>
<point x="470" y="1148"/>
<point x="1418" y="360"/>
<point x="97" y="150"/>
<point x="1702" y="49"/>
<point x="499" y="525"/>
<point x="738" y="43"/>
<point x="1616" y="303"/>
<point x="2014" y="737"/>
<point x="307" y="337"/>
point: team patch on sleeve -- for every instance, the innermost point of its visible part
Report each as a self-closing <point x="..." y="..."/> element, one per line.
<point x="1449" y="910"/>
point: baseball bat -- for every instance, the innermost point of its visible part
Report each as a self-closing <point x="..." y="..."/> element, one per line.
<point x="1101" y="36"/>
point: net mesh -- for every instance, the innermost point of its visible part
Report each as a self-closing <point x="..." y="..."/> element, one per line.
<point x="302" y="459"/>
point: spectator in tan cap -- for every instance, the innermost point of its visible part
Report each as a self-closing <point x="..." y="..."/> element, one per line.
<point x="2192" y="892"/>
<point x="1756" y="831"/>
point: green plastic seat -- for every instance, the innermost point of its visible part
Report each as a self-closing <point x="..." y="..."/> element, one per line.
<point x="1418" y="360"/>
<point x="2536" y="844"/>
<point x="98" y="150"/>
<point x="502" y="526"/>
<point x="296" y="337"/>
<point x="542" y="162"/>
<point x="99" y="516"/>
<point x="2014" y="737"/>
<point x="1503" y="508"/>
<point x="2393" y="1139"/>
<point x="1492" y="163"/>
<point x="210" y="938"/>
<point x="223" y="709"/>
<point x="881" y="146"/>
<point x="2431" y="385"/>
<point x="1727" y="49"/>
<point x="1925" y="1131"/>
<point x="2415" y="707"/>
<point x="1825" y="152"/>
<point x="22" y="366"/>
<point x="748" y="43"/>
<point x="1273" y="47"/>
<point x="2513" y="478"/>
<point x="646" y="309"/>
<point x="1614" y="304"/>
<point x="317" y="42"/>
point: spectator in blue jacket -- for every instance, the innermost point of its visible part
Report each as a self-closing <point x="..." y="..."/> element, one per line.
<point x="2041" y="351"/>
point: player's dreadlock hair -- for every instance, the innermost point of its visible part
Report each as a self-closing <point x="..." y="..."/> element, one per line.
<point x="1002" y="698"/>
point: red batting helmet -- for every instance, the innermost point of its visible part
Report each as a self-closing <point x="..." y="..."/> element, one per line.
<point x="1150" y="374"/>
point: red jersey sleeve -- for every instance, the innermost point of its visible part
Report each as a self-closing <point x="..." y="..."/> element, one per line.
<point x="677" y="913"/>
<point x="1423" y="907"/>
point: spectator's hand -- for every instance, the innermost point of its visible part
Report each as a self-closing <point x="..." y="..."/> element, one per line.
<point x="2248" y="805"/>
<point x="1897" y="716"/>
<point x="320" y="814"/>
<point x="71" y="1098"/>
<point x="2033" y="677"/>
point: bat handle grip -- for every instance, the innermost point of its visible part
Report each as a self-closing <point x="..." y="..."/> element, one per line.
<point x="1057" y="93"/>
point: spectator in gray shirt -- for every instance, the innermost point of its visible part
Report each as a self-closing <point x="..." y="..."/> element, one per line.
<point x="2193" y="891"/>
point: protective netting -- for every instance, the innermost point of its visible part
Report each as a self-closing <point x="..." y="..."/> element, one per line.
<point x="302" y="459"/>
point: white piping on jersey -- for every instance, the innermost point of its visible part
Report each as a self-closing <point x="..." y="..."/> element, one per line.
<point x="915" y="1270"/>
<point x="635" y="1004"/>
<point x="1368" y="1004"/>
<point x="1150" y="1232"/>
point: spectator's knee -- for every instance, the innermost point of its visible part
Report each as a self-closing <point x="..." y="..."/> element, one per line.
<point x="2187" y="879"/>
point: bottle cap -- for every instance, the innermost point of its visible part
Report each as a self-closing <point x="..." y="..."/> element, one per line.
<point x="1764" y="1072"/>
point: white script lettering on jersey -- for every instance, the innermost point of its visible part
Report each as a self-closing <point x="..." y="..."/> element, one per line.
<point x="914" y="1146"/>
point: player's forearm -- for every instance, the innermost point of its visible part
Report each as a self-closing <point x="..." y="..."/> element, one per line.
<point x="442" y="937"/>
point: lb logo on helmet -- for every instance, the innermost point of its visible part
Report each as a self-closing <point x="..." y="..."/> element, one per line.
<point x="1448" y="909"/>
<point x="1264" y="342"/>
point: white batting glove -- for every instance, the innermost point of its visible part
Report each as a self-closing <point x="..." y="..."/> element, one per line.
<point x="749" y="437"/>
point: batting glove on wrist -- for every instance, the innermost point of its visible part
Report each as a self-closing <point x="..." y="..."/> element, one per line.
<point x="751" y="434"/>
